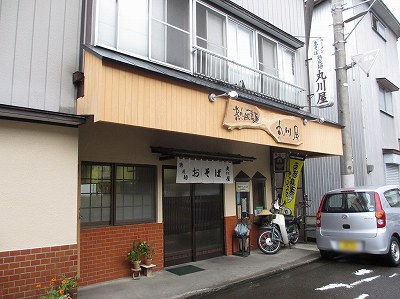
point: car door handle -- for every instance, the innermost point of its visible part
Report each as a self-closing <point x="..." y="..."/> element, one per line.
<point x="346" y="226"/>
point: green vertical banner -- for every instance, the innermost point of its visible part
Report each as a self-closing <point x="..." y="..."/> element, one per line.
<point x="290" y="184"/>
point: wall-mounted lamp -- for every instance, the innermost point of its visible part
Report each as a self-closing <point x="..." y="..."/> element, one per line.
<point x="232" y="95"/>
<point x="370" y="168"/>
<point x="319" y="120"/>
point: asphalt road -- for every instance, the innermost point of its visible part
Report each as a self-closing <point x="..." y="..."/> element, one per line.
<point x="345" y="277"/>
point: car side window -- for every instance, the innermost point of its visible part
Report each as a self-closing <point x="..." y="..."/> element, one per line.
<point x="393" y="198"/>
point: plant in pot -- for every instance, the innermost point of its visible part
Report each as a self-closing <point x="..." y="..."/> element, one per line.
<point x="135" y="256"/>
<point x="148" y="251"/>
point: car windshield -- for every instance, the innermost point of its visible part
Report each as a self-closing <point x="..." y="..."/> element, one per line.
<point x="349" y="202"/>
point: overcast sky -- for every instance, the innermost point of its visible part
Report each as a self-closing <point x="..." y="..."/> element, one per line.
<point x="394" y="6"/>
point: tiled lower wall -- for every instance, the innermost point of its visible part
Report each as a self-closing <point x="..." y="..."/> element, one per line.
<point x="230" y="223"/>
<point x="102" y="257"/>
<point x="22" y="270"/>
<point x="103" y="250"/>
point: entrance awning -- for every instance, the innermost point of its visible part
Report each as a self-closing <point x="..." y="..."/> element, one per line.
<point x="171" y="153"/>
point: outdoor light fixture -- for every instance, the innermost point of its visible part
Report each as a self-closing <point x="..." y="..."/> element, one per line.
<point x="370" y="168"/>
<point x="319" y="120"/>
<point x="232" y="95"/>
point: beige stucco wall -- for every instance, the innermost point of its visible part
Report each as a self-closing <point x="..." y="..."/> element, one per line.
<point x="38" y="183"/>
<point x="113" y="143"/>
<point x="261" y="164"/>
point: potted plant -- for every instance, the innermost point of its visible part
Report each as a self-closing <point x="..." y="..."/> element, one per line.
<point x="135" y="256"/>
<point x="148" y="251"/>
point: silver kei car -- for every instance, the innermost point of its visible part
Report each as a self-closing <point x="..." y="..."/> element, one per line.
<point x="360" y="220"/>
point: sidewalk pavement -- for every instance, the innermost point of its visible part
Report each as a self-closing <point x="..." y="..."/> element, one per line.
<point x="218" y="273"/>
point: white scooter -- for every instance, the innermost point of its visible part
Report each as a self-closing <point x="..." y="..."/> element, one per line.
<point x="278" y="229"/>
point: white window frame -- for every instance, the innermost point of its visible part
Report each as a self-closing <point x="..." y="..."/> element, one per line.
<point x="380" y="27"/>
<point x="276" y="53"/>
<point x="282" y="48"/>
<point x="193" y="38"/>
<point x="383" y="101"/>
<point x="253" y="31"/>
<point x="97" y="43"/>
<point x="279" y="57"/>
<point x="190" y="69"/>
<point x="194" y="31"/>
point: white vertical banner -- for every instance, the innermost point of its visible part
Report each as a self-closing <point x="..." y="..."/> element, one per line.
<point x="182" y="170"/>
<point x="228" y="173"/>
<point x="321" y="75"/>
<point x="203" y="171"/>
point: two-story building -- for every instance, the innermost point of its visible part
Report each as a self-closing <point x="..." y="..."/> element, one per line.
<point x="373" y="81"/>
<point x="188" y="104"/>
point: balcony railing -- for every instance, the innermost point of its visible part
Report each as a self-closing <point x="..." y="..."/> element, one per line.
<point x="218" y="68"/>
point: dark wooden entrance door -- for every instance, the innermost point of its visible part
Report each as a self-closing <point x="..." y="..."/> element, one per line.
<point x="193" y="220"/>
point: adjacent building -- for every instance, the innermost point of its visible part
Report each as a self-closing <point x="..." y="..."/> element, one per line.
<point x="39" y="44"/>
<point x="373" y="82"/>
<point x="160" y="120"/>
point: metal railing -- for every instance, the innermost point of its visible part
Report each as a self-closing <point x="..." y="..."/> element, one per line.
<point x="218" y="68"/>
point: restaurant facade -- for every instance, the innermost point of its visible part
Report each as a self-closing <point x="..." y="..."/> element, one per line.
<point x="189" y="132"/>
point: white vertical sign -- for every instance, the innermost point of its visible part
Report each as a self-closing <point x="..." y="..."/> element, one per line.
<point x="228" y="173"/>
<point x="203" y="171"/>
<point x="182" y="170"/>
<point x="321" y="76"/>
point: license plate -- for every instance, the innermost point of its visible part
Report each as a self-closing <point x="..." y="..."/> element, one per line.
<point x="349" y="246"/>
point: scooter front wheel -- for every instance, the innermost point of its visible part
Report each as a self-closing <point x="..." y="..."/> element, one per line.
<point x="269" y="241"/>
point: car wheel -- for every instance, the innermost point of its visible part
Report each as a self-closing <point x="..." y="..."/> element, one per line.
<point x="327" y="255"/>
<point x="393" y="256"/>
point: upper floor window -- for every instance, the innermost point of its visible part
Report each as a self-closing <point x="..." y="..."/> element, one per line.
<point x="240" y="43"/>
<point x="210" y="30"/>
<point x="378" y="26"/>
<point x="385" y="101"/>
<point x="124" y="25"/>
<point x="227" y="37"/>
<point x="227" y="49"/>
<point x="170" y="32"/>
<point x="117" y="29"/>
<point x="287" y="64"/>
<point x="267" y="55"/>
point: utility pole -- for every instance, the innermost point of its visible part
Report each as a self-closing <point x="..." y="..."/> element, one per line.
<point x="346" y="161"/>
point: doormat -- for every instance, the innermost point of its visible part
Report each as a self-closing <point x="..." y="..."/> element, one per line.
<point x="185" y="270"/>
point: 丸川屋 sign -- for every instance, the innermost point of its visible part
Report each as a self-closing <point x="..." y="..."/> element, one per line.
<point x="322" y="94"/>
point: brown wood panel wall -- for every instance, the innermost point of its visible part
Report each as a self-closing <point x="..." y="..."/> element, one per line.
<point x="127" y="96"/>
